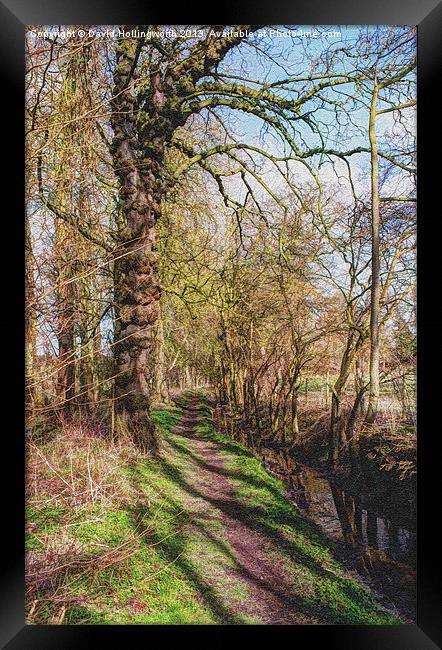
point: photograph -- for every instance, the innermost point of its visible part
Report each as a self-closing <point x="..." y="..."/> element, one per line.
<point x="220" y="325"/>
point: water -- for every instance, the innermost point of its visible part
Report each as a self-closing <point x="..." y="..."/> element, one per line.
<point x="380" y="547"/>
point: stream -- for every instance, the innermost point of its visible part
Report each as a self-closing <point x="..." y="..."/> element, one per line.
<point x="376" y="538"/>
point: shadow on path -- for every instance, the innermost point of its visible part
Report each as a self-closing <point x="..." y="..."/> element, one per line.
<point x="252" y="551"/>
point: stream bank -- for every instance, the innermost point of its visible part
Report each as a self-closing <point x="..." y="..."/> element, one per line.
<point x="372" y="521"/>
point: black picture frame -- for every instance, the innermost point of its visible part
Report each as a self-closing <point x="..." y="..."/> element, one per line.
<point x="427" y="14"/>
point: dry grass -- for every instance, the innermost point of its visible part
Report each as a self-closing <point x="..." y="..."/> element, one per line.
<point x="77" y="467"/>
<point x="74" y="480"/>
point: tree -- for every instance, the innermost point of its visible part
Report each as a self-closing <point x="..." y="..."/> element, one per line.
<point x="122" y="132"/>
<point x="158" y="85"/>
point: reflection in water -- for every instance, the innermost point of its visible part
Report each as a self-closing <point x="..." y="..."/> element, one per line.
<point x="379" y="548"/>
<point x="341" y="514"/>
<point x="377" y="545"/>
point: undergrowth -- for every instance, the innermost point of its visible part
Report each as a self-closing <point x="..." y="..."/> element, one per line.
<point x="109" y="536"/>
<point x="104" y="530"/>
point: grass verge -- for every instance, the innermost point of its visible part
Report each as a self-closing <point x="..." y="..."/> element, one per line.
<point x="110" y="538"/>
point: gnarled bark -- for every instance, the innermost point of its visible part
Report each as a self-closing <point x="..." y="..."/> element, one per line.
<point x="137" y="290"/>
<point x="144" y="120"/>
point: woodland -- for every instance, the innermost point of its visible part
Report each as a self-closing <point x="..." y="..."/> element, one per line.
<point x="220" y="260"/>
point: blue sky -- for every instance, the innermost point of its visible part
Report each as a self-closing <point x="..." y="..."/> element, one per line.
<point x="287" y="57"/>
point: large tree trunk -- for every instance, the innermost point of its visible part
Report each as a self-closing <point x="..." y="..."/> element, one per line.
<point x="333" y="439"/>
<point x="137" y="291"/>
<point x="295" y="424"/>
<point x="337" y="422"/>
<point x="143" y="125"/>
<point x="351" y="429"/>
<point x="66" y="244"/>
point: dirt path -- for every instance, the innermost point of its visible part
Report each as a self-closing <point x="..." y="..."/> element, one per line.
<point x="246" y="577"/>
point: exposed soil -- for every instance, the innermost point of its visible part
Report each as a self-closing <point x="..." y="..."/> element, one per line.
<point x="265" y="580"/>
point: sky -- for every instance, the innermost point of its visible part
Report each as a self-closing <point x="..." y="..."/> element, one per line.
<point x="288" y="56"/>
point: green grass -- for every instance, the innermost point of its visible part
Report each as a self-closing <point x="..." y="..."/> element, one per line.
<point x="138" y="557"/>
<point x="324" y="588"/>
<point x="152" y="587"/>
<point x="163" y="581"/>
